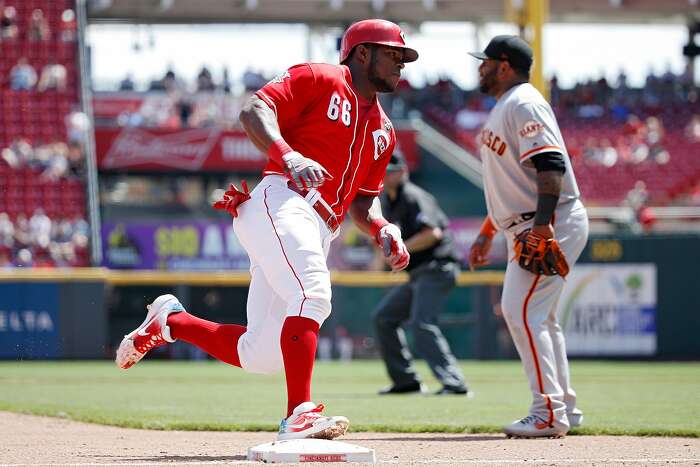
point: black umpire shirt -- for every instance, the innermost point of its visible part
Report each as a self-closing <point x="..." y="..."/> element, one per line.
<point x="413" y="210"/>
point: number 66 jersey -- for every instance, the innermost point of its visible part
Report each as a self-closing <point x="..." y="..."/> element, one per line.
<point x="323" y="117"/>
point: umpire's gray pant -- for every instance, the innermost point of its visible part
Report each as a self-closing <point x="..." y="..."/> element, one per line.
<point x="416" y="305"/>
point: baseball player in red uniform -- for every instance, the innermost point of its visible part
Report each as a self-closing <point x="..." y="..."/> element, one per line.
<point x="328" y="142"/>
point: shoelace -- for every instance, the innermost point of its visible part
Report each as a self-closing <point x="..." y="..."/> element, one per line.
<point x="529" y="419"/>
<point x="313" y="413"/>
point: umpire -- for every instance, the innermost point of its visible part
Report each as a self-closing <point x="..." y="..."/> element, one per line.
<point x="417" y="304"/>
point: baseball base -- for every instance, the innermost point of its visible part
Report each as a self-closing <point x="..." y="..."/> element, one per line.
<point x="310" y="450"/>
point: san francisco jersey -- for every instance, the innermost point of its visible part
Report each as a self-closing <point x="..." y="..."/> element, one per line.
<point x="521" y="125"/>
<point x="323" y="117"/>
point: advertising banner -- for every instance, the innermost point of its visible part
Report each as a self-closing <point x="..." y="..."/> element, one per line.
<point x="194" y="149"/>
<point x="189" y="246"/>
<point x="29" y="320"/>
<point x="610" y="310"/>
<point x="209" y="245"/>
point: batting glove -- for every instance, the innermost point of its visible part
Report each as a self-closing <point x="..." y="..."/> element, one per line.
<point x="306" y="173"/>
<point x="389" y="238"/>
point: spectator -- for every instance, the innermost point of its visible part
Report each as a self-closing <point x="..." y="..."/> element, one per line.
<point x="226" y="83"/>
<point x="5" y="257"/>
<point x="692" y="129"/>
<point x="637" y="196"/>
<point x="655" y="134"/>
<point x="253" y="80"/>
<point x="42" y="254"/>
<point x="57" y="164"/>
<point x="24" y="258"/>
<point x="69" y="26"/>
<point x="169" y="83"/>
<point x="205" y="82"/>
<point x="184" y="109"/>
<point x="39" y="226"/>
<point x="19" y="154"/>
<point x="77" y="125"/>
<point x="23" y="237"/>
<point x="127" y="84"/>
<point x="654" y="131"/>
<point x="131" y="117"/>
<point x="22" y="76"/>
<point x="76" y="161"/>
<point x="634" y="127"/>
<point x="608" y="153"/>
<point x="8" y="23"/>
<point x="39" y="27"/>
<point x="637" y="199"/>
<point x="53" y="77"/>
<point x="7" y="231"/>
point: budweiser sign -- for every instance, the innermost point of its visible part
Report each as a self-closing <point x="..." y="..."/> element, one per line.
<point x="193" y="150"/>
<point x="187" y="149"/>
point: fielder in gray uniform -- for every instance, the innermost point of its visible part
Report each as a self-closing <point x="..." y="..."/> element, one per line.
<point x="529" y="184"/>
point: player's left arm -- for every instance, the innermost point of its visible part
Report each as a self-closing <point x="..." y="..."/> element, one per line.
<point x="550" y="171"/>
<point x="366" y="212"/>
<point x="539" y="145"/>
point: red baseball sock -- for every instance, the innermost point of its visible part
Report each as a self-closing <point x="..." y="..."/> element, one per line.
<point x="218" y="340"/>
<point x="298" y="342"/>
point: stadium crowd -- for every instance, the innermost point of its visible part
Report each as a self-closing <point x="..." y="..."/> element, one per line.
<point x="42" y="138"/>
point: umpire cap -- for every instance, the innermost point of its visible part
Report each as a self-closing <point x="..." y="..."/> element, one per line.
<point x="396" y="162"/>
<point x="512" y="49"/>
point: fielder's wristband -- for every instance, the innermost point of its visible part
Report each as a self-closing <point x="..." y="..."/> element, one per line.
<point x="487" y="228"/>
<point x="375" y="226"/>
<point x="278" y="149"/>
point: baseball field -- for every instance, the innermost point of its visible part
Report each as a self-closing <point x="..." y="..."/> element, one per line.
<point x="618" y="398"/>
<point x="169" y="412"/>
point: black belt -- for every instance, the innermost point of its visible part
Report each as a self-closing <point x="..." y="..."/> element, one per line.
<point x="323" y="210"/>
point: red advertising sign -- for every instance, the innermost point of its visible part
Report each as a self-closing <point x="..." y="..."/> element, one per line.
<point x="195" y="149"/>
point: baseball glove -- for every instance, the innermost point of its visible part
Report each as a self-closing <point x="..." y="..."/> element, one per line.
<point x="540" y="255"/>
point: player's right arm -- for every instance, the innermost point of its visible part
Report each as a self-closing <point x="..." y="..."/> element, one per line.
<point x="282" y="100"/>
<point x="260" y="123"/>
<point x="478" y="254"/>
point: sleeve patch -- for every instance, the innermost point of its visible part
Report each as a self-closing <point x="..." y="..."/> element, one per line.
<point x="280" y="78"/>
<point x="531" y="129"/>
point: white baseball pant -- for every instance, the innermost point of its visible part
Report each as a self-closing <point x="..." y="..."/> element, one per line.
<point x="530" y="308"/>
<point x="287" y="242"/>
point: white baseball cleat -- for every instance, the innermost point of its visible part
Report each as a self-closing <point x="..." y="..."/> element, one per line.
<point x="152" y="333"/>
<point x="307" y="422"/>
<point x="533" y="426"/>
<point x="575" y="418"/>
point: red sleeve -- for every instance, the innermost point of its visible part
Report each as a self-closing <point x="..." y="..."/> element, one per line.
<point x="373" y="184"/>
<point x="290" y="93"/>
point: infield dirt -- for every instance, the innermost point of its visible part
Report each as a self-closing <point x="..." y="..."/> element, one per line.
<point x="32" y="440"/>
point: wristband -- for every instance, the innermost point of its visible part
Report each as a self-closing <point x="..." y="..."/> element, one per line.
<point x="376" y="225"/>
<point x="546" y="204"/>
<point x="278" y="149"/>
<point x="487" y="228"/>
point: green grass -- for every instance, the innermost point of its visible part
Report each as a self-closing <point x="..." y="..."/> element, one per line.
<point x="617" y="398"/>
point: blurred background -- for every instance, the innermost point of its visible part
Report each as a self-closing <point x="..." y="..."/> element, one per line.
<point x="119" y="127"/>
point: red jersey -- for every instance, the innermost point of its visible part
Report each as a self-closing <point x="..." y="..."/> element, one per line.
<point x="323" y="117"/>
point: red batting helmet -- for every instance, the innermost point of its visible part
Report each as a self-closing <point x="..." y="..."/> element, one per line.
<point x="375" y="31"/>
